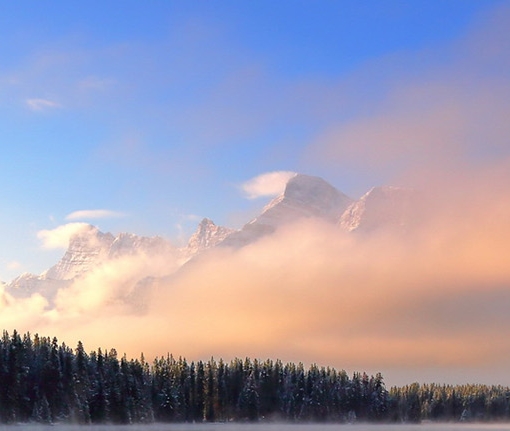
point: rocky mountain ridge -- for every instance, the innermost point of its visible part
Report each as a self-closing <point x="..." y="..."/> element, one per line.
<point x="304" y="197"/>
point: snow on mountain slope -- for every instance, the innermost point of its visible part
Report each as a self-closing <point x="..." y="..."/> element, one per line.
<point x="206" y="236"/>
<point x="382" y="207"/>
<point x="128" y="244"/>
<point x="87" y="250"/>
<point x="304" y="196"/>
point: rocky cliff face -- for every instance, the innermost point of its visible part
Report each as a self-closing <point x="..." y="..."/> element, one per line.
<point x="206" y="236"/>
<point x="86" y="250"/>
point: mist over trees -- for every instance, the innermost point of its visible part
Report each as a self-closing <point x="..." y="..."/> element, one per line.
<point x="43" y="381"/>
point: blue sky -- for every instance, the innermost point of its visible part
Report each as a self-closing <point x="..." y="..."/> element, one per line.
<point x="159" y="111"/>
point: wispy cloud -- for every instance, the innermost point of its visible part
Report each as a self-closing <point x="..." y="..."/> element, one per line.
<point x="268" y="184"/>
<point x="93" y="214"/>
<point x="59" y="237"/>
<point x="41" y="104"/>
<point x="14" y="265"/>
<point x="95" y="83"/>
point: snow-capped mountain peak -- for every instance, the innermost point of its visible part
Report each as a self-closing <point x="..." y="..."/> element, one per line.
<point x="304" y="197"/>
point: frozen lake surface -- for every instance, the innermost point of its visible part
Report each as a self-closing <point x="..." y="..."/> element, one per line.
<point x="263" y="427"/>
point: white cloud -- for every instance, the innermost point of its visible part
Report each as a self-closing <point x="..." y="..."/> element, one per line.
<point x="268" y="184"/>
<point x="41" y="104"/>
<point x="59" y="237"/>
<point x="93" y="214"/>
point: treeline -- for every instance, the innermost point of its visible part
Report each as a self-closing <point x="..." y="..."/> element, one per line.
<point x="46" y="382"/>
<point x="414" y="403"/>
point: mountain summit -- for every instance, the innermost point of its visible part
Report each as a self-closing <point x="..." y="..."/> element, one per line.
<point x="206" y="236"/>
<point x="304" y="196"/>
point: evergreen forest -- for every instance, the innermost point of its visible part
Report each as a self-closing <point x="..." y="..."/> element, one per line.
<point x="42" y="381"/>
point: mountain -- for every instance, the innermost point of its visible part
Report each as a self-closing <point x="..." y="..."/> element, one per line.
<point x="380" y="208"/>
<point x="87" y="250"/>
<point x="304" y="196"/>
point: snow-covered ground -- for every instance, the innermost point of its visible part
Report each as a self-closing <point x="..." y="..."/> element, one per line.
<point x="264" y="427"/>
